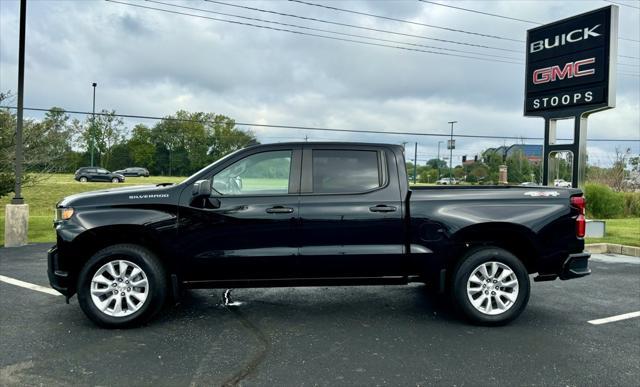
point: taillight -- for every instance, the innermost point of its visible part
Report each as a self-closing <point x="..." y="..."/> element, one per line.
<point x="581" y="226"/>
<point x="580" y="203"/>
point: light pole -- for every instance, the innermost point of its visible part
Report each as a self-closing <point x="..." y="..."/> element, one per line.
<point x="16" y="220"/>
<point x="438" y="163"/>
<point x="451" y="151"/>
<point x="93" y="121"/>
<point x="17" y="198"/>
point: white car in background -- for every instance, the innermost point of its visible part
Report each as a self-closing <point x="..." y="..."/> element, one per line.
<point x="561" y="183"/>
<point x="447" y="181"/>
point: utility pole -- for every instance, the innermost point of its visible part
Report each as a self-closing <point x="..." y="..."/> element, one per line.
<point x="16" y="220"/>
<point x="438" y="163"/>
<point x="93" y="122"/>
<point x="18" y="199"/>
<point x="451" y="151"/>
<point x="415" y="162"/>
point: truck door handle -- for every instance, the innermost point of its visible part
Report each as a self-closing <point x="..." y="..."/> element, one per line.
<point x="382" y="208"/>
<point x="279" y="210"/>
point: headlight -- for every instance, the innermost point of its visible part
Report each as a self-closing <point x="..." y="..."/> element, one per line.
<point x="64" y="213"/>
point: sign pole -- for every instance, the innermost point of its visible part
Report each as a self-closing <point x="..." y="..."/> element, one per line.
<point x="451" y="146"/>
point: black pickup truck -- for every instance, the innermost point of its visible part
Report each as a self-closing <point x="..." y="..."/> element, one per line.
<point x="313" y="214"/>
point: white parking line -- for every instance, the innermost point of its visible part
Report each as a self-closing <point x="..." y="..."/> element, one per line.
<point x="614" y="318"/>
<point x="28" y="285"/>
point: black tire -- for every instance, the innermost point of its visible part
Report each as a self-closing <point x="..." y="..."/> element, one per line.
<point x="115" y="180"/>
<point x="145" y="260"/>
<point x="465" y="268"/>
<point x="83" y="179"/>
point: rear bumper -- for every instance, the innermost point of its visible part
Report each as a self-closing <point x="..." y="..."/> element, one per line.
<point x="58" y="279"/>
<point x="576" y="266"/>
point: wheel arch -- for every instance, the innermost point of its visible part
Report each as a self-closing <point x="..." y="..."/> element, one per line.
<point x="88" y="243"/>
<point x="517" y="239"/>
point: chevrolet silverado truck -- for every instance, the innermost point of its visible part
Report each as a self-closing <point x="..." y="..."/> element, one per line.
<point x="313" y="214"/>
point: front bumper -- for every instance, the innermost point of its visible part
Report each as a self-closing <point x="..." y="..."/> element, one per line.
<point x="58" y="279"/>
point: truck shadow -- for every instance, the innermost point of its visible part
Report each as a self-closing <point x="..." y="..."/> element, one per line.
<point x="308" y="304"/>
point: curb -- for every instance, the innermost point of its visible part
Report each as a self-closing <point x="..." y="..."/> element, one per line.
<point x="611" y="248"/>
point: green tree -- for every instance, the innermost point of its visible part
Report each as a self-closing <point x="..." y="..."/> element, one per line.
<point x="224" y="137"/>
<point x="119" y="157"/>
<point x="186" y="142"/>
<point x="428" y="175"/>
<point x="107" y="131"/>
<point x="635" y="163"/>
<point x="478" y="173"/>
<point x="518" y="168"/>
<point x="458" y="172"/>
<point x="44" y="145"/>
<point x="141" y="147"/>
<point x="437" y="163"/>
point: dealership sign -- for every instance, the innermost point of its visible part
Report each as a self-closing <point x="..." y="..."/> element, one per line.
<point x="571" y="64"/>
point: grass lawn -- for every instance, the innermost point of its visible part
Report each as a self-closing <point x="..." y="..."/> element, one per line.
<point x="620" y="231"/>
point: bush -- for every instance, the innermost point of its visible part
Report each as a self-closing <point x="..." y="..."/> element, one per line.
<point x="603" y="202"/>
<point x="631" y="204"/>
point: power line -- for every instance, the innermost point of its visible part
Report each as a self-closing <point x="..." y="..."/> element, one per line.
<point x="500" y="16"/>
<point x="371" y="29"/>
<point x="359" y="27"/>
<point x="405" y="21"/>
<point x="486" y="58"/>
<point x="309" y="34"/>
<point x="333" y="32"/>
<point x="297" y="127"/>
<point x="481" y="12"/>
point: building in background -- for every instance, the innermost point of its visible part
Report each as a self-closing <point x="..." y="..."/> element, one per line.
<point x="532" y="152"/>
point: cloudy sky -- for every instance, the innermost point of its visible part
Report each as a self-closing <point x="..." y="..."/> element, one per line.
<point x="149" y="62"/>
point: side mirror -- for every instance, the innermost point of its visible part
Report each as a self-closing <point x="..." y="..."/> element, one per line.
<point x="201" y="189"/>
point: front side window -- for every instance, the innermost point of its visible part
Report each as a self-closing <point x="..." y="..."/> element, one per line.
<point x="102" y="171"/>
<point x="265" y="173"/>
<point x="345" y="171"/>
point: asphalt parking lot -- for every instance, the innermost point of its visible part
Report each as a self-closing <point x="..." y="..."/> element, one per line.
<point x="393" y="335"/>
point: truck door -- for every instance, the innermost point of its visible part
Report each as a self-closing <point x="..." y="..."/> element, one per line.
<point x="248" y="228"/>
<point x="351" y="212"/>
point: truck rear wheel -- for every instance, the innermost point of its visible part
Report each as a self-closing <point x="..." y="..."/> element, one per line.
<point x="122" y="286"/>
<point x="490" y="286"/>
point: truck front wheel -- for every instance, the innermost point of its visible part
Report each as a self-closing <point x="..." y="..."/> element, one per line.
<point x="490" y="286"/>
<point x="122" y="286"/>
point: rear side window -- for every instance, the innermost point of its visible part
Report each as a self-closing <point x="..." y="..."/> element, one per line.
<point x="346" y="171"/>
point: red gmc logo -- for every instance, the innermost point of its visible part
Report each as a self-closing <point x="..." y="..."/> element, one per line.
<point x="570" y="70"/>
